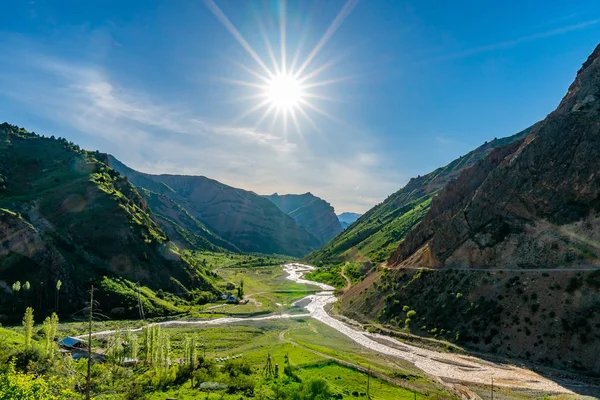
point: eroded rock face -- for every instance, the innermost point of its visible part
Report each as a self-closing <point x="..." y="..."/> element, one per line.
<point x="532" y="203"/>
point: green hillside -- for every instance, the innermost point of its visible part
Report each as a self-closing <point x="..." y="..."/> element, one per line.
<point x="65" y="215"/>
<point x="376" y="234"/>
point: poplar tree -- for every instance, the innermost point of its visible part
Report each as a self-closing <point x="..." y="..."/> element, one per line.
<point x="28" y="325"/>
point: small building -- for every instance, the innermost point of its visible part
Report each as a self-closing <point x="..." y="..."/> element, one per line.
<point x="72" y="343"/>
<point x="232" y="299"/>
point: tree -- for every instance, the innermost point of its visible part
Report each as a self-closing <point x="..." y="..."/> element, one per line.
<point x="28" y="325"/>
<point x="50" y="328"/>
<point x="26" y="288"/>
<point x="58" y="286"/>
<point x="16" y="288"/>
<point x="241" y="290"/>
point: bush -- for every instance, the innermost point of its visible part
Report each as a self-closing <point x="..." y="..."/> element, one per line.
<point x="411" y="314"/>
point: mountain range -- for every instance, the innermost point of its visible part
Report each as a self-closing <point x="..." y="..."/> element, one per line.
<point x="222" y="216"/>
<point x="312" y="213"/>
<point x="499" y="250"/>
<point x="348" y="218"/>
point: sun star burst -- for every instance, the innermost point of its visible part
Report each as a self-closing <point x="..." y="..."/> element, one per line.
<point x="283" y="91"/>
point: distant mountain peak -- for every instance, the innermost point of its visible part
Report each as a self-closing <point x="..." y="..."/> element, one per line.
<point x="316" y="215"/>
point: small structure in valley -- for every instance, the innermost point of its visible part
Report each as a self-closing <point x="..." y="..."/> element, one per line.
<point x="72" y="343"/>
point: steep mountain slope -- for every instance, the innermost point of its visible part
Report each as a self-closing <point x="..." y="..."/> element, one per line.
<point x="510" y="247"/>
<point x="348" y="218"/>
<point x="66" y="215"/>
<point x="311" y="212"/>
<point x="377" y="233"/>
<point x="228" y="217"/>
<point x="534" y="203"/>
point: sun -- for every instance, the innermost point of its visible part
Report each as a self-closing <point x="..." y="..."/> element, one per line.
<point x="290" y="87"/>
<point x="284" y="92"/>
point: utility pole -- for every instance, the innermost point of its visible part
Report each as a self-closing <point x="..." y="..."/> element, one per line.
<point x="368" y="381"/>
<point x="140" y="305"/>
<point x="88" y="384"/>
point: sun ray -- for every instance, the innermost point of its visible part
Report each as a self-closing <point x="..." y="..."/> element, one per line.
<point x="248" y="97"/>
<point x="270" y="51"/>
<point x="309" y="119"/>
<point x="287" y="94"/>
<point x="252" y="110"/>
<point x="343" y="14"/>
<point x="295" y="121"/>
<point x="328" y="82"/>
<point x="265" y="115"/>
<point x="282" y="35"/>
<point x="322" y="97"/>
<point x="253" y="72"/>
<point x="244" y="83"/>
<point x="315" y="108"/>
<point x="212" y="6"/>
<point x="275" y="118"/>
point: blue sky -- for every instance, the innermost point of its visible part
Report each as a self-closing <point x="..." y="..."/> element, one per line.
<point x="408" y="86"/>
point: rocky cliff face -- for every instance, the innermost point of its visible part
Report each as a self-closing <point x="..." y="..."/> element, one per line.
<point x="311" y="212"/>
<point x="243" y="219"/>
<point x="534" y="203"/>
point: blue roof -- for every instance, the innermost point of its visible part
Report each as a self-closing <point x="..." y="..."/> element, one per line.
<point x="70" y="341"/>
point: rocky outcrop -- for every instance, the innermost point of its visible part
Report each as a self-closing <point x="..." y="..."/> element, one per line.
<point x="533" y="203"/>
<point x="311" y="212"/>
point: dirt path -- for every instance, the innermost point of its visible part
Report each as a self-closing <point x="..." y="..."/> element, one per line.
<point x="348" y="281"/>
<point x="548" y="270"/>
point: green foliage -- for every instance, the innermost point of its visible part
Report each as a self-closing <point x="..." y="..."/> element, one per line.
<point x="50" y="328"/>
<point x="28" y="326"/>
<point x="18" y="385"/>
<point x="328" y="275"/>
<point x="240" y="290"/>
<point x="411" y="314"/>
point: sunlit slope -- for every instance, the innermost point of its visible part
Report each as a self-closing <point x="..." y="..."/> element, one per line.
<point x="376" y="234"/>
<point x="66" y="215"/>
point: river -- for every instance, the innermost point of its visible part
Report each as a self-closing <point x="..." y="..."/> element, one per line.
<point x="446" y="366"/>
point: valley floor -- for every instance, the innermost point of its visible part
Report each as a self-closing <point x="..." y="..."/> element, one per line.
<point x="273" y="323"/>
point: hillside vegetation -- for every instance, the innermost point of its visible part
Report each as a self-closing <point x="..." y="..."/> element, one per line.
<point x="506" y="258"/>
<point x="65" y="215"/>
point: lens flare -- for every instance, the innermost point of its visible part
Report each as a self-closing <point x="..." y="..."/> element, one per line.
<point x="284" y="91"/>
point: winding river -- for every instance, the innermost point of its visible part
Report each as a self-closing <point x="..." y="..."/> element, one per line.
<point x="445" y="366"/>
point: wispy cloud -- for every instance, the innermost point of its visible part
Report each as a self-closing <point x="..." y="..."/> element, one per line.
<point x="158" y="137"/>
<point x="514" y="42"/>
